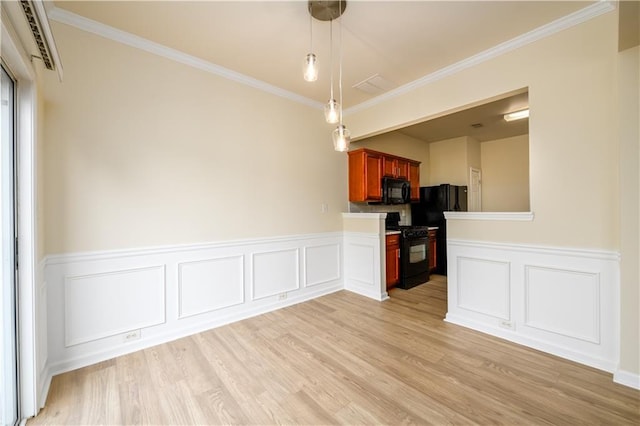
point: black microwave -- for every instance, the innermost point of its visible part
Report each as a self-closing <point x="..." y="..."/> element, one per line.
<point x="395" y="191"/>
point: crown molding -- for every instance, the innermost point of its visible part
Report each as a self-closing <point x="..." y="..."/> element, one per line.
<point x="573" y="19"/>
<point x="102" y="30"/>
<point x="65" y="17"/>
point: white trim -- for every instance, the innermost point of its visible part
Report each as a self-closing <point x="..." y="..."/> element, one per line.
<point x="627" y="379"/>
<point x="26" y="92"/>
<point x="573" y="19"/>
<point x="504" y="216"/>
<point x="108" y="32"/>
<point x="101" y="346"/>
<point x="89" y="358"/>
<point x="364" y="215"/>
<point x="600" y="349"/>
<point x="514" y="336"/>
<point x="537" y="249"/>
<point x="48" y="35"/>
<point x="56" y="259"/>
<point x="94" y="27"/>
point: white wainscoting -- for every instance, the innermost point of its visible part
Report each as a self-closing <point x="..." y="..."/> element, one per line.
<point x="101" y="305"/>
<point x="561" y="301"/>
<point x="364" y="265"/>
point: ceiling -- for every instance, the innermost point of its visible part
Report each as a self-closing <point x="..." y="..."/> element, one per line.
<point x="400" y="41"/>
<point x="484" y="122"/>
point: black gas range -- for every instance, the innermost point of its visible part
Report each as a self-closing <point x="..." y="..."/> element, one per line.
<point x="409" y="231"/>
<point x="414" y="245"/>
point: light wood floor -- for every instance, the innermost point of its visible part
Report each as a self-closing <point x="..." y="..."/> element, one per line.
<point x="341" y="359"/>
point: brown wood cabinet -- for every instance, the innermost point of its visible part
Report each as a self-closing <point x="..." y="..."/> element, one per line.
<point x="367" y="167"/>
<point x="395" y="167"/>
<point x="393" y="260"/>
<point x="365" y="175"/>
<point x="433" y="255"/>
<point x="414" y="180"/>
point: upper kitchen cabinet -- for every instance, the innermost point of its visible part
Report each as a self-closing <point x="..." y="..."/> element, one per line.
<point x="414" y="180"/>
<point x="367" y="167"/>
<point x="365" y="175"/>
<point x="395" y="167"/>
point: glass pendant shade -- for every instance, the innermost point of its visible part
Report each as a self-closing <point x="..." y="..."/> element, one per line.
<point x="341" y="138"/>
<point x="332" y="111"/>
<point x="311" y="67"/>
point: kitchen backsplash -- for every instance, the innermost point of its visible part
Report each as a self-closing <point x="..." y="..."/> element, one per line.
<point x="403" y="209"/>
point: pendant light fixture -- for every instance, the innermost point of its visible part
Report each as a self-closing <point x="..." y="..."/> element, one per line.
<point x="328" y="11"/>
<point x="332" y="108"/>
<point x="341" y="135"/>
<point x="311" y="62"/>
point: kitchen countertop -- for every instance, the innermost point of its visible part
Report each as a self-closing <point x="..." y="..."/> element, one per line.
<point x="391" y="232"/>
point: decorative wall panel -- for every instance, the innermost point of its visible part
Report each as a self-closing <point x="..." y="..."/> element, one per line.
<point x="322" y="264"/>
<point x="211" y="284"/>
<point x="105" y="304"/>
<point x="275" y="272"/>
<point x="484" y="286"/>
<point x="563" y="302"/>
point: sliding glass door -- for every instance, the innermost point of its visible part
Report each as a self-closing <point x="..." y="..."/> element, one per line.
<point x="9" y="414"/>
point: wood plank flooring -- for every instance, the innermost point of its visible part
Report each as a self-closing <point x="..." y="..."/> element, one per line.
<point x="342" y="359"/>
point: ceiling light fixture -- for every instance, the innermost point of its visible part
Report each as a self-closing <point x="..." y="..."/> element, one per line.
<point x="517" y="115"/>
<point x="328" y="11"/>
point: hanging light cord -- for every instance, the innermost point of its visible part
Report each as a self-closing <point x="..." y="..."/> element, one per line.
<point x="331" y="56"/>
<point x="340" y="59"/>
<point x="310" y="33"/>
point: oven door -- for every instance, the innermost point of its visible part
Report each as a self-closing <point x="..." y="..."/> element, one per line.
<point x="414" y="262"/>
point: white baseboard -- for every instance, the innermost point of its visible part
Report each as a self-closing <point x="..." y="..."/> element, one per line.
<point x="106" y="304"/>
<point x="86" y="359"/>
<point x="625" y="378"/>
<point x="173" y="292"/>
<point x="541" y="345"/>
<point x="562" y="301"/>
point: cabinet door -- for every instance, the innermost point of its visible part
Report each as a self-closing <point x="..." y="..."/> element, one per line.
<point x="389" y="167"/>
<point x="402" y="169"/>
<point x="393" y="261"/>
<point x="373" y="177"/>
<point x="365" y="176"/>
<point x="433" y="256"/>
<point x="414" y="181"/>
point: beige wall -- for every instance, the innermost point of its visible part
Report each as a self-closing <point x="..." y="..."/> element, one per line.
<point x="40" y="180"/>
<point x="401" y="145"/>
<point x="562" y="137"/>
<point x="143" y="151"/>
<point x="505" y="175"/>
<point x="448" y="162"/>
<point x="474" y="156"/>
<point x="629" y="68"/>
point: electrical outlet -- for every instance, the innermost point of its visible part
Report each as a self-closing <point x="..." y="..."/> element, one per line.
<point x="507" y="324"/>
<point x="282" y="296"/>
<point x="131" y="335"/>
<point x="324" y="207"/>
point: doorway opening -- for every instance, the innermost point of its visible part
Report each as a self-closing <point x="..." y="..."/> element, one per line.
<point x="9" y="377"/>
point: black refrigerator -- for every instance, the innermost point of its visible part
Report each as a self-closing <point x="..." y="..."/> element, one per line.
<point x="434" y="201"/>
